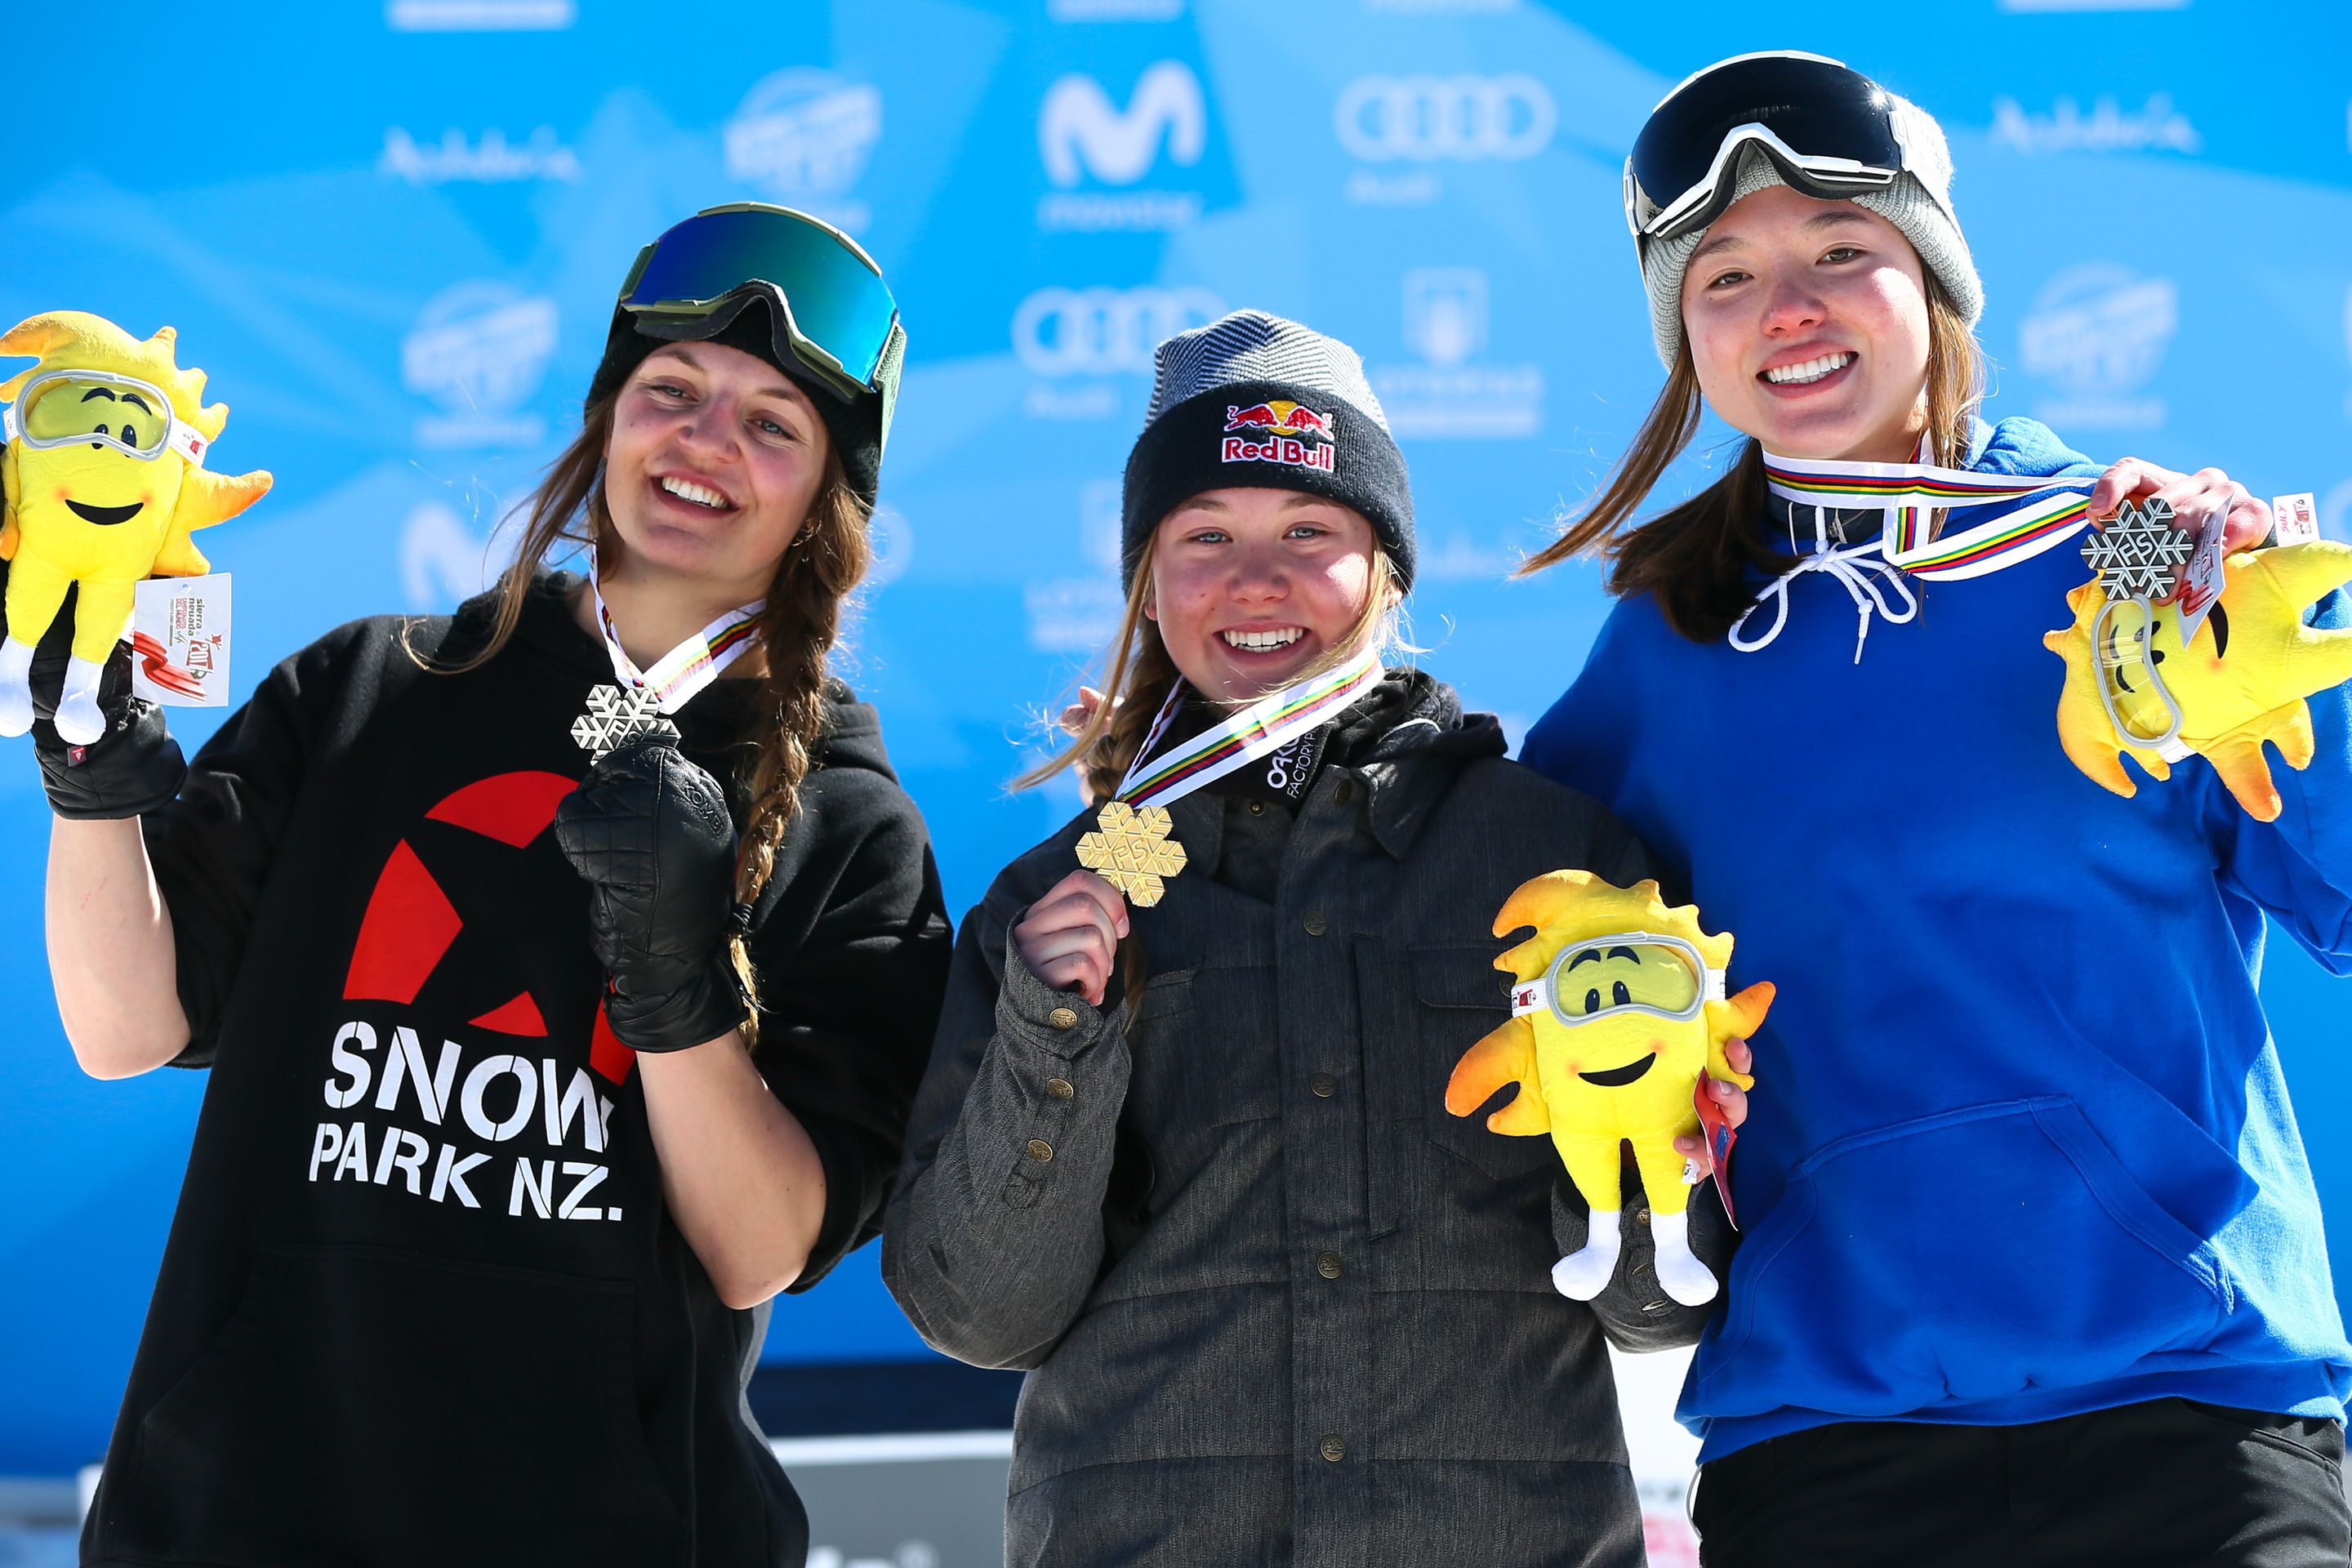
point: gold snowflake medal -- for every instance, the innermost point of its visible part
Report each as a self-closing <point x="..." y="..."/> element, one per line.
<point x="1129" y="846"/>
<point x="1132" y="851"/>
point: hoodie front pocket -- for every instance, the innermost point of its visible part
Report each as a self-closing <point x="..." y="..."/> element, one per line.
<point x="365" y="1405"/>
<point x="1965" y="1257"/>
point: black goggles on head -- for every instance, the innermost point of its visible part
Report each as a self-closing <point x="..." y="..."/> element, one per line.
<point x="1828" y="130"/>
<point x="833" y="314"/>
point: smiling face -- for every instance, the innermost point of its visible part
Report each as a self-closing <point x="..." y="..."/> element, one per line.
<point x="1251" y="587"/>
<point x="1807" y="327"/>
<point x="713" y="460"/>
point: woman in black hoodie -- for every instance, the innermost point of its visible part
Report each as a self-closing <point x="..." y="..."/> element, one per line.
<point x="528" y="1089"/>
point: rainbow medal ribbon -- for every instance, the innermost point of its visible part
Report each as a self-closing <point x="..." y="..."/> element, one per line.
<point x="617" y="714"/>
<point x="2046" y="511"/>
<point x="1130" y="848"/>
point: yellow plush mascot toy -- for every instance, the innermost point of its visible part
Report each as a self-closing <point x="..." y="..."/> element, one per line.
<point x="1619" y="1006"/>
<point x="2133" y="690"/>
<point x="103" y="481"/>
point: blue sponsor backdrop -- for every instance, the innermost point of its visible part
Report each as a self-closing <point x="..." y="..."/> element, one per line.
<point x="392" y="234"/>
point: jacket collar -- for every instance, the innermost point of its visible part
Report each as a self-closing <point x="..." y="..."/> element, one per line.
<point x="1404" y="742"/>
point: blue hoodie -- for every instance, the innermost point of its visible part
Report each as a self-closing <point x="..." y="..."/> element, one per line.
<point x="2020" y="1146"/>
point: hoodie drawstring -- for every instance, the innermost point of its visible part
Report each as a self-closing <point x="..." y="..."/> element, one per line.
<point x="1861" y="569"/>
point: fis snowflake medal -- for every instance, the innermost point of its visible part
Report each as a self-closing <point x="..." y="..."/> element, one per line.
<point x="2236" y="681"/>
<point x="616" y="716"/>
<point x="1617" y="1011"/>
<point x="1131" y="851"/>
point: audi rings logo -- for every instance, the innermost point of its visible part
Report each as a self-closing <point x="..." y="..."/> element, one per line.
<point x="1430" y="118"/>
<point x="1104" y="332"/>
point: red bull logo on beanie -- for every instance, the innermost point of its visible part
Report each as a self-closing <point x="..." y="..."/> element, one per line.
<point x="1272" y="430"/>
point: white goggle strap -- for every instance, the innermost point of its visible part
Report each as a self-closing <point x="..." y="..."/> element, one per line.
<point x="8" y="424"/>
<point x="1531" y="997"/>
<point x="188" y="441"/>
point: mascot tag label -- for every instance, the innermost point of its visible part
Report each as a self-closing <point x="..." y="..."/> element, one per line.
<point x="2295" y="517"/>
<point x="1720" y="1136"/>
<point x="179" y="641"/>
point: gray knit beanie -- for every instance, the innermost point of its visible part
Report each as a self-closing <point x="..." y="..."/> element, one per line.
<point x="1919" y="205"/>
<point x="1256" y="402"/>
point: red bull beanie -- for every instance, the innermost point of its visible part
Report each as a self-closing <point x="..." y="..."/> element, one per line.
<point x="1253" y="401"/>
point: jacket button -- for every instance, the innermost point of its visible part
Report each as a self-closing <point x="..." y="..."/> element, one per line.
<point x="1327" y="1263"/>
<point x="1040" y="1151"/>
<point x="1059" y="1088"/>
<point x="1324" y="1085"/>
<point x="1315" y="923"/>
<point x="1334" y="1450"/>
<point x="1346" y="792"/>
<point x="1258" y="808"/>
<point x="1063" y="1019"/>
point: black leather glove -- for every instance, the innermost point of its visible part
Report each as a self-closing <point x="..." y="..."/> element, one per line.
<point x="649" y="831"/>
<point x="133" y="768"/>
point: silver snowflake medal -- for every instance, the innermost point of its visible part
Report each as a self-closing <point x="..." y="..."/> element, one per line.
<point x="616" y="716"/>
<point x="2140" y="554"/>
<point x="2138" y="560"/>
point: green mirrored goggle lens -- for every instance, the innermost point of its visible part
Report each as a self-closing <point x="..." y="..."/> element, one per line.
<point x="838" y="302"/>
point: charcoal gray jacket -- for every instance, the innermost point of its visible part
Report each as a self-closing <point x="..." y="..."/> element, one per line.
<point x="1279" y="1306"/>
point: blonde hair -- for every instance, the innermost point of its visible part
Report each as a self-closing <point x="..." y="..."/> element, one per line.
<point x="1695" y="559"/>
<point x="801" y="625"/>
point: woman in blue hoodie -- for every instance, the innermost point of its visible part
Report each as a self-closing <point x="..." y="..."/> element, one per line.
<point x="2034" y="1270"/>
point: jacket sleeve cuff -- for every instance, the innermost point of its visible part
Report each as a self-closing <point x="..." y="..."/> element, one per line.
<point x="1059" y="1023"/>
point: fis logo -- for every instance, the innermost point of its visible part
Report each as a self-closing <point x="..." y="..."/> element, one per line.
<point x="1280" y="422"/>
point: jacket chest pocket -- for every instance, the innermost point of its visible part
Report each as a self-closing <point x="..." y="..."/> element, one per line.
<point x="1203" y="1043"/>
<point x="1455" y="997"/>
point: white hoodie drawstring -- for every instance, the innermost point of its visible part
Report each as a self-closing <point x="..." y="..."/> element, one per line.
<point x="1861" y="568"/>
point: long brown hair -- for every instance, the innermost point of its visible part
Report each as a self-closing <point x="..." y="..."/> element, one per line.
<point x="823" y="565"/>
<point x="1138" y="673"/>
<point x="1695" y="559"/>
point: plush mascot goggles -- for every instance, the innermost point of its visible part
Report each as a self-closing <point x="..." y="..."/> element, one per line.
<point x="1626" y="972"/>
<point x="70" y="407"/>
<point x="2132" y="687"/>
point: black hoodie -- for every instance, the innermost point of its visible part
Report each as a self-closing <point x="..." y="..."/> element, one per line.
<point x="423" y="1301"/>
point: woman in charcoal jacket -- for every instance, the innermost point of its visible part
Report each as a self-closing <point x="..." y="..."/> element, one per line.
<point x="1191" y="1163"/>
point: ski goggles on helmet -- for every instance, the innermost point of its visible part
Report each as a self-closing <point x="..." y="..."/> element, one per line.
<point x="1628" y="972"/>
<point x="833" y="314"/>
<point x="69" y="408"/>
<point x="1828" y="131"/>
